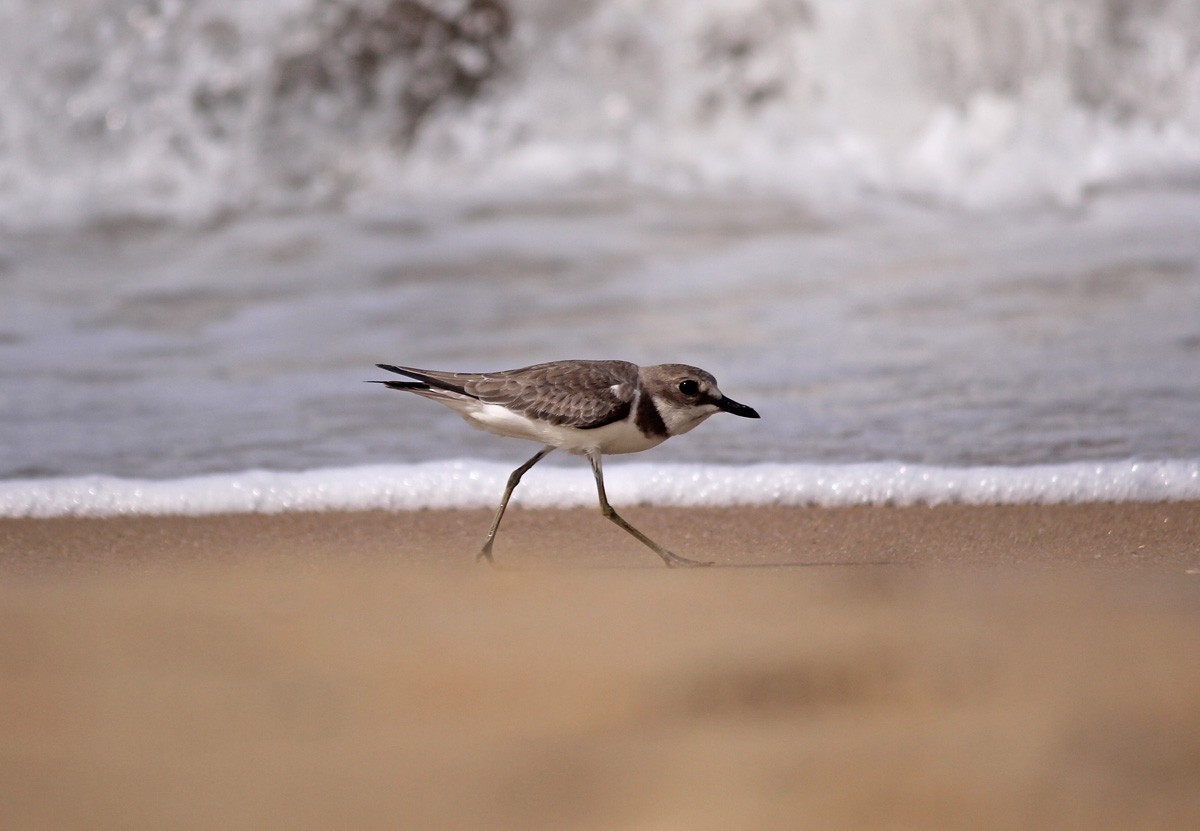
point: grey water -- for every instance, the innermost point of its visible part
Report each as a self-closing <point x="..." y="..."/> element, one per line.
<point x="950" y="233"/>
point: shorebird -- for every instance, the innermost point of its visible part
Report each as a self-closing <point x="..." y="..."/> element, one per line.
<point x="588" y="408"/>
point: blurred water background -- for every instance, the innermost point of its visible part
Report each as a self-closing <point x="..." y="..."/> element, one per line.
<point x="945" y="232"/>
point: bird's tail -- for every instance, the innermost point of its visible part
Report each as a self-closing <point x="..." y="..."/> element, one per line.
<point x="425" y="380"/>
<point x="402" y="385"/>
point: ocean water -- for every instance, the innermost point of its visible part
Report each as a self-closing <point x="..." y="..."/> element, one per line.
<point x="949" y="249"/>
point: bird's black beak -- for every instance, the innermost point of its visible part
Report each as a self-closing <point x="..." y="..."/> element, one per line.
<point x="730" y="406"/>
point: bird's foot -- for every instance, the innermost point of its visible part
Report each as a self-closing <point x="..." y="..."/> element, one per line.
<point x="673" y="560"/>
<point x="485" y="553"/>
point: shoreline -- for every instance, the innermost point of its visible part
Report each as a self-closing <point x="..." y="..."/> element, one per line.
<point x="1142" y="535"/>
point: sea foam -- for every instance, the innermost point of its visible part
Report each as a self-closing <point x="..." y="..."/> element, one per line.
<point x="471" y="484"/>
<point x="177" y="112"/>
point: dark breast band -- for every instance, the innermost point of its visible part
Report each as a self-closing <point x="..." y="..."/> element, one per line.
<point x="647" y="418"/>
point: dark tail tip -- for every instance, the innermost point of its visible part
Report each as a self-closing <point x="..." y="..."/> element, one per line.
<point x="401" y="385"/>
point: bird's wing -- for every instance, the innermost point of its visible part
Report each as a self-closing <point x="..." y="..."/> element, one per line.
<point x="580" y="394"/>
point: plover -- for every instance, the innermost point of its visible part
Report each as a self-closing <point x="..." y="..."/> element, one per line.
<point x="588" y="408"/>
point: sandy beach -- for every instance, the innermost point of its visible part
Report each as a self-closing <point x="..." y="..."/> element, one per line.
<point x="946" y="250"/>
<point x="950" y="667"/>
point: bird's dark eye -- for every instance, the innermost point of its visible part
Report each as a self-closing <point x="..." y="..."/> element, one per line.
<point x="689" y="387"/>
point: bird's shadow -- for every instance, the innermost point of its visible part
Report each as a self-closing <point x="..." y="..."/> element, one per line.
<point x="806" y="565"/>
<point x="505" y="567"/>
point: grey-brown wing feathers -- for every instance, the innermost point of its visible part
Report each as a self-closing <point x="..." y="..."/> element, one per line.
<point x="580" y="394"/>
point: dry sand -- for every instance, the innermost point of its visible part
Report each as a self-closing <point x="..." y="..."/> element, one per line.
<point x="954" y="667"/>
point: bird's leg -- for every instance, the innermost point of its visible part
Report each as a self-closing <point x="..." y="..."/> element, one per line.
<point x="608" y="511"/>
<point x="513" y="480"/>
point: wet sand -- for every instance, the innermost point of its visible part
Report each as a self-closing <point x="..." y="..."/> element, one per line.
<point x="995" y="667"/>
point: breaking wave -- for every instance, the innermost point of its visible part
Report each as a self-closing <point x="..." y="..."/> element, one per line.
<point x="186" y="112"/>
